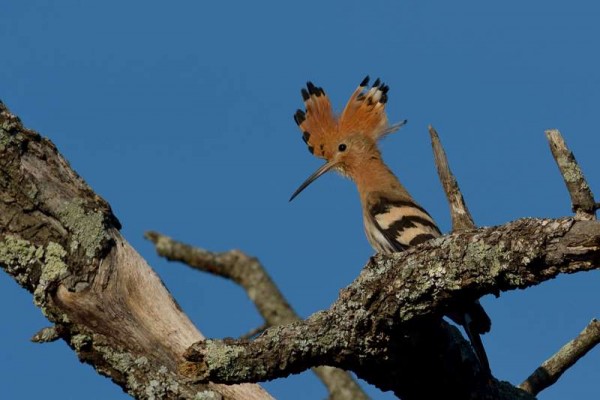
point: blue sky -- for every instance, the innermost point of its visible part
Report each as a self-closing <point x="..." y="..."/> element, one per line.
<point x="180" y="115"/>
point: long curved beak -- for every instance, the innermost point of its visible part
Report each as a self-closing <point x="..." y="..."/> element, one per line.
<point x="324" y="168"/>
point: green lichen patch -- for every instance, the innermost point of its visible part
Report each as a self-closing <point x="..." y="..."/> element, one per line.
<point x="8" y="123"/>
<point x="81" y="341"/>
<point x="7" y="127"/>
<point x="142" y="376"/>
<point x="54" y="267"/>
<point x="159" y="389"/>
<point x="5" y="139"/>
<point x="207" y="395"/>
<point x="17" y="256"/>
<point x="218" y="354"/>
<point x="141" y="361"/>
<point x="165" y="385"/>
<point x="15" y="251"/>
<point x="53" y="270"/>
<point x="87" y="228"/>
<point x="34" y="267"/>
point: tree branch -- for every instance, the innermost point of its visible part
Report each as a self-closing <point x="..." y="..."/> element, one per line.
<point x="61" y="241"/>
<point x="254" y="332"/>
<point x="249" y="273"/>
<point x="367" y="328"/>
<point x="582" y="199"/>
<point x="461" y="217"/>
<point x="48" y="334"/>
<point x="553" y="368"/>
<point x="235" y="265"/>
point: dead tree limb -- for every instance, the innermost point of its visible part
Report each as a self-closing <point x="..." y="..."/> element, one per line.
<point x="461" y="217"/>
<point x="249" y="273"/>
<point x="553" y="368"/>
<point x="582" y="199"/>
<point x="61" y="241"/>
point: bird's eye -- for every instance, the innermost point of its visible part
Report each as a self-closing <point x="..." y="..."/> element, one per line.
<point x="342" y="147"/>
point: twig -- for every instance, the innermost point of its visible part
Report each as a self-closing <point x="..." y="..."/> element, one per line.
<point x="461" y="217"/>
<point x="48" y="334"/>
<point x="553" y="368"/>
<point x="256" y="331"/>
<point x="250" y="274"/>
<point x="582" y="199"/>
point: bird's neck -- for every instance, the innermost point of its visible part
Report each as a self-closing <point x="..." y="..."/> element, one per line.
<point x="375" y="178"/>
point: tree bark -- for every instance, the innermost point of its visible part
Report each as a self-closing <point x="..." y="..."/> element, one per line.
<point x="61" y="241"/>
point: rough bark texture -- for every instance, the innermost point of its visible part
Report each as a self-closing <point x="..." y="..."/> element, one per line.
<point x="249" y="273"/>
<point x="386" y="325"/>
<point x="461" y="217"/>
<point x="582" y="199"/>
<point x="61" y="241"/>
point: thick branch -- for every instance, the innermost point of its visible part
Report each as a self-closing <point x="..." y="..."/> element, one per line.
<point x="366" y="330"/>
<point x="461" y="217"/>
<point x="61" y="241"/>
<point x="553" y="368"/>
<point x="582" y="199"/>
<point x="249" y="273"/>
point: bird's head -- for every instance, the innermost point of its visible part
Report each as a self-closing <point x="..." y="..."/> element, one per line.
<point x="349" y="141"/>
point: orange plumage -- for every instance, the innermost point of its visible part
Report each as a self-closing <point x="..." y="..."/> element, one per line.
<point x="364" y="113"/>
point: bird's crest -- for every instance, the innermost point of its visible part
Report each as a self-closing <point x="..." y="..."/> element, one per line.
<point x="364" y="114"/>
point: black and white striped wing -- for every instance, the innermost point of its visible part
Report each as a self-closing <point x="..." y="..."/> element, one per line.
<point x="395" y="225"/>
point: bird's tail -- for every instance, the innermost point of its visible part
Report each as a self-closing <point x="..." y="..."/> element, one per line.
<point x="476" y="323"/>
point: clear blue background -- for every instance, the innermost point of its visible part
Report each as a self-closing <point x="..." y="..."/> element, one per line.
<point x="180" y="115"/>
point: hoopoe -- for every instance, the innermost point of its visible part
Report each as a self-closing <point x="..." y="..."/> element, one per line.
<point x="393" y="220"/>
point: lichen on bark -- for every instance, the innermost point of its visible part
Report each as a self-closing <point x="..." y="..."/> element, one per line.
<point x="19" y="255"/>
<point x="87" y="228"/>
<point x="52" y="271"/>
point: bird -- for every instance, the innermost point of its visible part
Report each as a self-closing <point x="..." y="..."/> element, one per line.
<point x="393" y="220"/>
